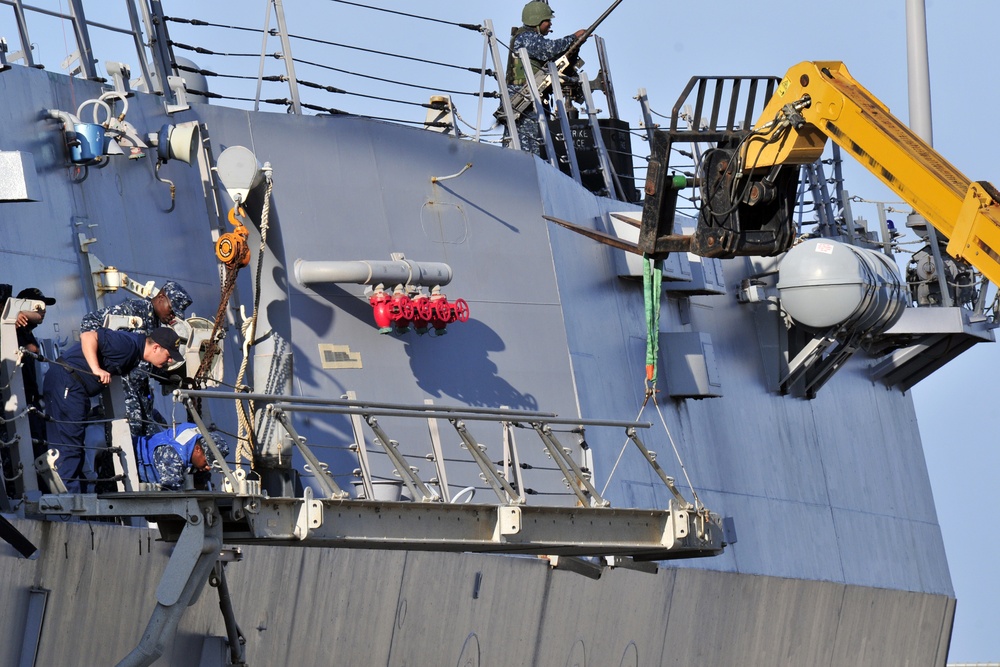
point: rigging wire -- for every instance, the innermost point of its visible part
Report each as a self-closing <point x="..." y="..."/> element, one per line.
<point x="482" y="70"/>
<point x="273" y="33"/>
<point x="199" y="22"/>
<point x="611" y="475"/>
<point x="332" y="89"/>
<point x="208" y="52"/>
<point x="207" y="72"/>
<point x="656" y="113"/>
<point x="697" y="501"/>
<point x="474" y="70"/>
<point x="467" y="26"/>
<point x="384" y="80"/>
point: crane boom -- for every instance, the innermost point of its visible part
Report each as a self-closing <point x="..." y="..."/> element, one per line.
<point x="820" y="100"/>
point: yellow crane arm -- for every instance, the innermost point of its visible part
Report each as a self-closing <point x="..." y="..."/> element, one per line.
<point x="820" y="100"/>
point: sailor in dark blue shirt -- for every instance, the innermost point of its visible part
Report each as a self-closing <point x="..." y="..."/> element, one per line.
<point x="81" y="373"/>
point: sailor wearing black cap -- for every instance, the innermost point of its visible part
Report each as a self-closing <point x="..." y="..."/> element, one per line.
<point x="27" y="320"/>
<point x="163" y="309"/>
<point x="35" y="294"/>
<point x="81" y="373"/>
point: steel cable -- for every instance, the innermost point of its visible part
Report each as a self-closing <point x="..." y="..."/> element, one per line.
<point x="467" y="26"/>
<point x="384" y="80"/>
<point x="474" y="70"/>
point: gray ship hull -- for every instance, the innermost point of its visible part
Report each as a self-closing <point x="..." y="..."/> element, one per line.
<point x="310" y="607"/>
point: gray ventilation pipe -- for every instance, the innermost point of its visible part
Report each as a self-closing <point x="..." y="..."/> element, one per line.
<point x="371" y="272"/>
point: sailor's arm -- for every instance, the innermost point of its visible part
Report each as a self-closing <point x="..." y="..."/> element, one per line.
<point x="25" y="317"/>
<point x="88" y="345"/>
<point x="543" y="48"/>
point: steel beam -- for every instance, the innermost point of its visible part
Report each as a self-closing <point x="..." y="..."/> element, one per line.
<point x="369" y="524"/>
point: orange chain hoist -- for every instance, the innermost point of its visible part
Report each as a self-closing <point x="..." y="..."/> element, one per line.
<point x="231" y="248"/>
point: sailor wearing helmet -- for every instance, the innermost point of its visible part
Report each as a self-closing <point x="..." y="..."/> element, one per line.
<point x="537" y="19"/>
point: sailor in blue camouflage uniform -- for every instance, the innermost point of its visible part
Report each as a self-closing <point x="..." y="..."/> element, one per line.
<point x="164" y="459"/>
<point x="80" y="373"/>
<point x="163" y="309"/>
<point x="537" y="19"/>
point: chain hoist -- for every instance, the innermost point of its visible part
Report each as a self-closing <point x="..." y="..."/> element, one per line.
<point x="234" y="252"/>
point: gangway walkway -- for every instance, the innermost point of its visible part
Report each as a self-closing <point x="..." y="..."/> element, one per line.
<point x="332" y="517"/>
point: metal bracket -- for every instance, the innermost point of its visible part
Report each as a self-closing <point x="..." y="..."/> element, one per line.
<point x="677" y="527"/>
<point x="651" y="458"/>
<point x="508" y="110"/>
<point x="413" y="483"/>
<point x="310" y="515"/>
<point x="119" y="73"/>
<point x="543" y="123"/>
<point x="177" y="87"/>
<point x="192" y="560"/>
<point x="220" y="460"/>
<point x="607" y="171"/>
<point x="577" y="565"/>
<point x="823" y="356"/>
<point x="509" y="521"/>
<point x="330" y="488"/>
<point x="563" y="114"/>
<point x="45" y="466"/>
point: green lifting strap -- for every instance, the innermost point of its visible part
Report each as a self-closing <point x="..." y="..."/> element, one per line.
<point x="652" y="282"/>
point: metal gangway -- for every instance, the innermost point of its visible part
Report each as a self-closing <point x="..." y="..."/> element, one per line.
<point x="205" y="525"/>
<point x="327" y="515"/>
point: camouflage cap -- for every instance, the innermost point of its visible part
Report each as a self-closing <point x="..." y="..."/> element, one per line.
<point x="178" y="297"/>
<point x="223" y="446"/>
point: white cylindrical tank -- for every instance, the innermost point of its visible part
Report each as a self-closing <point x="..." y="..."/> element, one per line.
<point x="824" y="283"/>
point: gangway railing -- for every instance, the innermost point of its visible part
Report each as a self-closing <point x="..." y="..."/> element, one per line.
<point x="327" y="515"/>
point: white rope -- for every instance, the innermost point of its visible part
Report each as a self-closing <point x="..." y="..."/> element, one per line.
<point x="246" y="416"/>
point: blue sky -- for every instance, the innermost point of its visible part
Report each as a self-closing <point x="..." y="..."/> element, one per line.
<point x="658" y="46"/>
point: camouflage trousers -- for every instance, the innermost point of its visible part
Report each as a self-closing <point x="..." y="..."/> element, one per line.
<point x="527" y="128"/>
<point x="143" y="419"/>
<point x="527" y="132"/>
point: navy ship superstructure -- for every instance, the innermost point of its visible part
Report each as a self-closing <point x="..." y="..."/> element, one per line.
<point x="419" y="327"/>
